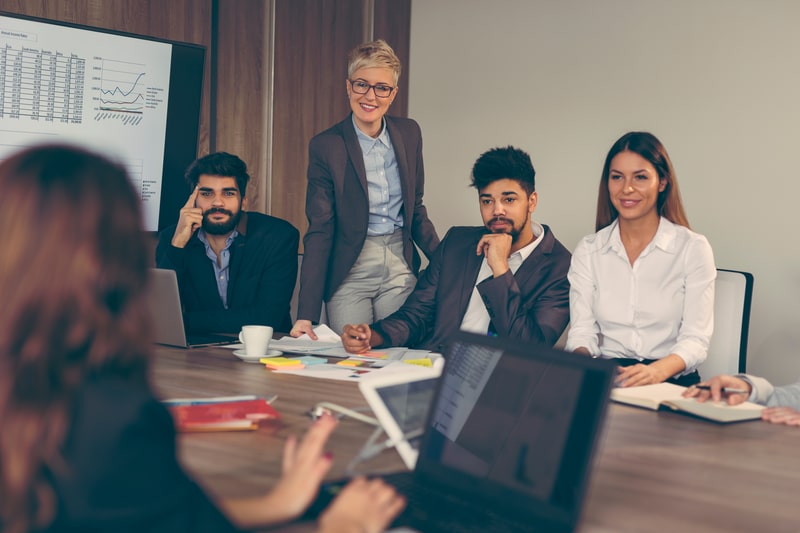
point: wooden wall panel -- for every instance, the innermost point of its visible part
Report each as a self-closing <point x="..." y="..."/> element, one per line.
<point x="392" y="23"/>
<point x="242" y="91"/>
<point x="178" y="20"/>
<point x="312" y="40"/>
<point x="308" y="55"/>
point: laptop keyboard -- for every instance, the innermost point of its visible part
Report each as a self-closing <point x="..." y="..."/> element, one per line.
<point x="430" y="511"/>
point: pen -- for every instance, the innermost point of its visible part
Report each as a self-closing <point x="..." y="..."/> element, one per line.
<point x="724" y="390"/>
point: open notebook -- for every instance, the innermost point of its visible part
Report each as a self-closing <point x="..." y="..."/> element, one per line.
<point x="667" y="396"/>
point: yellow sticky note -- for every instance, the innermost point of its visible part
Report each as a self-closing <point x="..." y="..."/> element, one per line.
<point x="426" y="361"/>
<point x="280" y="361"/>
<point x="350" y="362"/>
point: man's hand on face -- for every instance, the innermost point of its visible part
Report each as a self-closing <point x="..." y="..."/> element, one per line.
<point x="496" y="247"/>
<point x="191" y="218"/>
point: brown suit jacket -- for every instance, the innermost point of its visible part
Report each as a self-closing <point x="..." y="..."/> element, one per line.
<point x="530" y="305"/>
<point x="337" y="207"/>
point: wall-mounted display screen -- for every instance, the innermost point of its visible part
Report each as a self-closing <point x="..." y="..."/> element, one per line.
<point x="133" y="98"/>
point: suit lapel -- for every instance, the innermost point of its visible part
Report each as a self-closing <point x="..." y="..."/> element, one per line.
<point x="472" y="267"/>
<point x="238" y="251"/>
<point x="531" y="265"/>
<point x="354" y="152"/>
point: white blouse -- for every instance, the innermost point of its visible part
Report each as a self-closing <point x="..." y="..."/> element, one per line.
<point x="660" y="305"/>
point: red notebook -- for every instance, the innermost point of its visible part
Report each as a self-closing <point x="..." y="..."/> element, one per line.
<point x="224" y="416"/>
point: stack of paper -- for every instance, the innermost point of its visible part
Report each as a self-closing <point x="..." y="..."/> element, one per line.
<point x="326" y="338"/>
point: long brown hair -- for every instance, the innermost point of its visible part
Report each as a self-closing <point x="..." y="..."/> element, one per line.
<point x="646" y="145"/>
<point x="72" y="277"/>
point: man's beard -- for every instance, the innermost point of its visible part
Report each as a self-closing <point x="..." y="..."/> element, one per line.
<point x="220" y="228"/>
<point x="513" y="230"/>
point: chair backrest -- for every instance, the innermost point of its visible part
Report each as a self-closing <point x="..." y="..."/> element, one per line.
<point x="727" y="353"/>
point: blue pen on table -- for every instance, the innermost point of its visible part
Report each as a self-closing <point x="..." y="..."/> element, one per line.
<point x="724" y="390"/>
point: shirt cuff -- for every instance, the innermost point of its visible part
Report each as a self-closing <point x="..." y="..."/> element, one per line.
<point x="693" y="354"/>
<point x="762" y="389"/>
<point x="583" y="342"/>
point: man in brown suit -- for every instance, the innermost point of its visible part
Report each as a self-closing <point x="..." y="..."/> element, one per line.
<point x="506" y="278"/>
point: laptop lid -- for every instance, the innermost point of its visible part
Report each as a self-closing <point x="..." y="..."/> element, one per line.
<point x="514" y="426"/>
<point x="164" y="303"/>
<point x="400" y="402"/>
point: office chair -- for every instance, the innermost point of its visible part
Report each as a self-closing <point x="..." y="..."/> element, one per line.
<point x="727" y="353"/>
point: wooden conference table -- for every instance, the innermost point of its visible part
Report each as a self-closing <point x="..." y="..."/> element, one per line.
<point x="654" y="471"/>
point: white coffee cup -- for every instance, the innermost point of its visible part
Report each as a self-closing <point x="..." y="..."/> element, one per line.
<point x="255" y="339"/>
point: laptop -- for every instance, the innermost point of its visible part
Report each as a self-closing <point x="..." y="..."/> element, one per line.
<point x="509" y="439"/>
<point x="164" y="304"/>
<point x="400" y="402"/>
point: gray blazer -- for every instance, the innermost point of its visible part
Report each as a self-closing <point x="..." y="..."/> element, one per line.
<point x="337" y="207"/>
<point x="530" y="305"/>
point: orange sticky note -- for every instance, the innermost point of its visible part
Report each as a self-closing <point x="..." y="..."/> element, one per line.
<point x="373" y="355"/>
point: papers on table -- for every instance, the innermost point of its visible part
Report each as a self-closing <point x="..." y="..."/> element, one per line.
<point x="329" y="345"/>
<point x="327" y="339"/>
<point x="345" y="373"/>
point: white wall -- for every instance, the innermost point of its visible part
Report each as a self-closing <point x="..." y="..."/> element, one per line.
<point x="718" y="81"/>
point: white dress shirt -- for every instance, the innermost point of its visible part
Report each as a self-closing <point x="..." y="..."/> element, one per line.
<point x="660" y="305"/>
<point x="476" y="318"/>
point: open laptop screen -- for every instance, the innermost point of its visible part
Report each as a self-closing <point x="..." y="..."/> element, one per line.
<point x="521" y="418"/>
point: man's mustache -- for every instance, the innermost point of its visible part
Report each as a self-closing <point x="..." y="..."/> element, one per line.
<point x="217" y="210"/>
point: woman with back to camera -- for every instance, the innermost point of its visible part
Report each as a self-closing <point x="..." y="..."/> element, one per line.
<point x="85" y="445"/>
<point x="364" y="204"/>
<point x="642" y="287"/>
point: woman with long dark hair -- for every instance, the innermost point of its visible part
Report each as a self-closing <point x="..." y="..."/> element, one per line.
<point x="642" y="287"/>
<point x="84" y="445"/>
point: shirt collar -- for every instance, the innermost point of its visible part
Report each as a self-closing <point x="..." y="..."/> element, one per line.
<point x="538" y="231"/>
<point x="383" y="137"/>
<point x="201" y="235"/>
<point x="664" y="238"/>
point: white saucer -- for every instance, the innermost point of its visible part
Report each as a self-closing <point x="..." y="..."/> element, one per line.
<point x="255" y="359"/>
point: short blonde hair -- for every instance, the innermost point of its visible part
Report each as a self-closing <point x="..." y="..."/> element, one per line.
<point x="375" y="54"/>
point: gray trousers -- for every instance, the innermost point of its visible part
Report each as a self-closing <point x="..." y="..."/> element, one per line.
<point x="376" y="286"/>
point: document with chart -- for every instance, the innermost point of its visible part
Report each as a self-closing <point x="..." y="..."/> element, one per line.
<point x="60" y="84"/>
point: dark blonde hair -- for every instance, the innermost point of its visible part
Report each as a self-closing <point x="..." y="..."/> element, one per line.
<point x="72" y="274"/>
<point x="669" y="204"/>
<point x="375" y="54"/>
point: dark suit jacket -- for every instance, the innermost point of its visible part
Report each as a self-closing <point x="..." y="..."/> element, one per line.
<point x="531" y="305"/>
<point x="263" y="272"/>
<point x="337" y="207"/>
<point x="121" y="473"/>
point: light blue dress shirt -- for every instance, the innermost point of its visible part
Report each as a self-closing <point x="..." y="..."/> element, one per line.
<point x="221" y="268"/>
<point x="383" y="182"/>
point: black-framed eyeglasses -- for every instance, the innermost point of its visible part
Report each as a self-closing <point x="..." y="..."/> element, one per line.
<point x="362" y="87"/>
